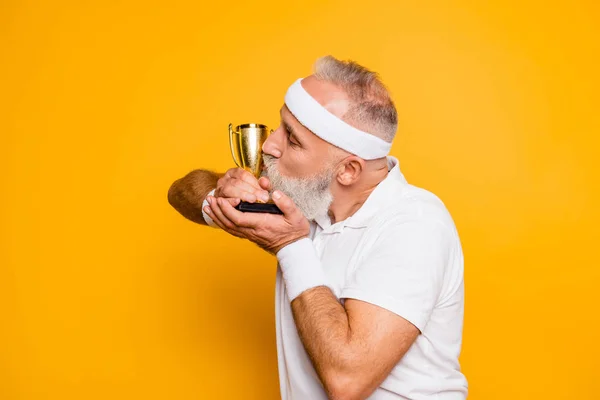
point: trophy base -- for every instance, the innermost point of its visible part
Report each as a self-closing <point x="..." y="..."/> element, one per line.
<point x="258" y="208"/>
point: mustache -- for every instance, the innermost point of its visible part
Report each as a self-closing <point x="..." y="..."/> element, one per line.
<point x="268" y="162"/>
<point x="267" y="158"/>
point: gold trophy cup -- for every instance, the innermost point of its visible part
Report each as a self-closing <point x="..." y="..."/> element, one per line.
<point x="245" y="142"/>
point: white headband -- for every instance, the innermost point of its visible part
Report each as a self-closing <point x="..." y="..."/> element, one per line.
<point x="330" y="128"/>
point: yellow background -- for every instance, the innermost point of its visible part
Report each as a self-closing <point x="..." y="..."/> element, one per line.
<point x="106" y="292"/>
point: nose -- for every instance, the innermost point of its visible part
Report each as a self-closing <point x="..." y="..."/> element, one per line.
<point x="272" y="145"/>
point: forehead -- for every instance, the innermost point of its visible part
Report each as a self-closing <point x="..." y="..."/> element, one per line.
<point x="329" y="95"/>
<point x="288" y="117"/>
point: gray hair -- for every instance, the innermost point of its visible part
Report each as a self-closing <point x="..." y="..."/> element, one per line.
<point x="371" y="107"/>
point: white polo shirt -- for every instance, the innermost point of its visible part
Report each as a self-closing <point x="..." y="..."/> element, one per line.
<point x="399" y="251"/>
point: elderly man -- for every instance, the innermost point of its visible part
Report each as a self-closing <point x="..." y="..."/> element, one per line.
<point x="369" y="290"/>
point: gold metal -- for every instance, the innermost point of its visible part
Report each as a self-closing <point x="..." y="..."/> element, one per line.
<point x="245" y="142"/>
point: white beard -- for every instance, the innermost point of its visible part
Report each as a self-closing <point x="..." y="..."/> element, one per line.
<point x="311" y="195"/>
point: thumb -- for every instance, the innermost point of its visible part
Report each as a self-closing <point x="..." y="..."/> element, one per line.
<point x="265" y="183"/>
<point x="233" y="201"/>
<point x="284" y="203"/>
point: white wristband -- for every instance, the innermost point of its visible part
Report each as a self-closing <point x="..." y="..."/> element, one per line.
<point x="207" y="217"/>
<point x="301" y="267"/>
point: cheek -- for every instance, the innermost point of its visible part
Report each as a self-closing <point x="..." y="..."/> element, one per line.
<point x="286" y="165"/>
<point x="298" y="164"/>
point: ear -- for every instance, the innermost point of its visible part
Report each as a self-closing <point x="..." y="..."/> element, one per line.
<point x="349" y="170"/>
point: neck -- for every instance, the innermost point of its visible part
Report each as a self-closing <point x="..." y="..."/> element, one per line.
<point x="349" y="199"/>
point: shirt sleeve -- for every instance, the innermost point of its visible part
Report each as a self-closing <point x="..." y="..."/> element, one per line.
<point x="403" y="271"/>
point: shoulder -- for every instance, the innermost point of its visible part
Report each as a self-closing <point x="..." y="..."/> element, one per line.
<point x="412" y="207"/>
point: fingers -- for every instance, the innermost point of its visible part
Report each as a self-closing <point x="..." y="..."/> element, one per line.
<point x="242" y="220"/>
<point x="240" y="184"/>
<point x="285" y="204"/>
<point x="232" y="215"/>
<point x="265" y="183"/>
<point x="214" y="218"/>
<point x="250" y="179"/>
<point x="209" y="211"/>
<point x="217" y="215"/>
<point x="236" y="188"/>
<point x="233" y="201"/>
<point x="244" y="176"/>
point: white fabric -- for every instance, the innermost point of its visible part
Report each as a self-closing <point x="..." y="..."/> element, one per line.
<point x="330" y="128"/>
<point x="300" y="273"/>
<point x="207" y="217"/>
<point x="399" y="251"/>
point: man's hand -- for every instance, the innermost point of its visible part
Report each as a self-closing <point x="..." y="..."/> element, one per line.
<point x="238" y="184"/>
<point x="269" y="231"/>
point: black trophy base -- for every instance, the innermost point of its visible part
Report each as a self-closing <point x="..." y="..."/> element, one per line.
<point x="258" y="208"/>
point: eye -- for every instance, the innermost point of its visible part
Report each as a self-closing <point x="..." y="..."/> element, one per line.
<point x="289" y="137"/>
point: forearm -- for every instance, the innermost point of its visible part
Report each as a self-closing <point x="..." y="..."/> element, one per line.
<point x="324" y="328"/>
<point x="322" y="322"/>
<point x="187" y="194"/>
